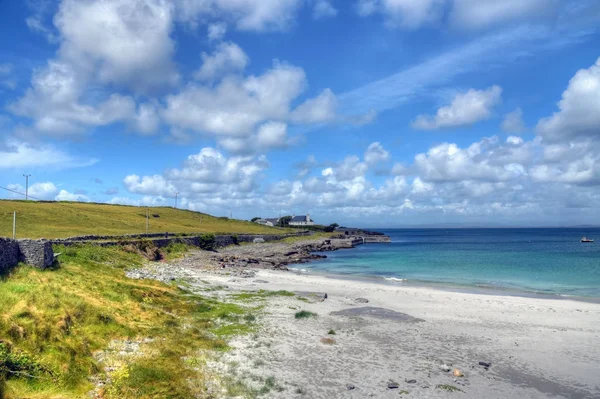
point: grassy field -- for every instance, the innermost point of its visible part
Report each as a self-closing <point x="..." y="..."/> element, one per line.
<point x="67" y="219"/>
<point x="63" y="329"/>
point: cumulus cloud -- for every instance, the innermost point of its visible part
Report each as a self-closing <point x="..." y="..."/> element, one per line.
<point x="486" y="160"/>
<point x="208" y="177"/>
<point x="39" y="191"/>
<point x="579" y="109"/>
<point x="465" y="109"/>
<point x="216" y="31"/>
<point x="323" y="9"/>
<point x="513" y="122"/>
<point x="317" y="110"/>
<point x="126" y="42"/>
<point x="270" y="135"/>
<point x="227" y="58"/>
<point x="236" y="106"/>
<point x="53" y="102"/>
<point x="376" y="153"/>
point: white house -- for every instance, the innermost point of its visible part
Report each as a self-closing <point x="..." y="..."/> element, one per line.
<point x="302" y="221"/>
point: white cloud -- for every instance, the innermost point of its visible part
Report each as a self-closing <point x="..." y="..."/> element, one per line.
<point x="53" y="102"/>
<point x="235" y="107"/>
<point x="513" y="122"/>
<point x="6" y="77"/>
<point x="272" y="135"/>
<point x="64" y="195"/>
<point x="17" y="155"/>
<point x="246" y="15"/>
<point x="227" y="58"/>
<point x="376" y="153"/>
<point x="317" y="110"/>
<point x="206" y="178"/>
<point x="123" y="42"/>
<point x="216" y="31"/>
<point x="465" y="109"/>
<point x="323" y="9"/>
<point x="38" y="191"/>
<point x="35" y="22"/>
<point x="146" y="120"/>
<point x="155" y="185"/>
<point x="475" y="14"/>
<point x="579" y="109"/>
<point x="486" y="160"/>
<point x="407" y="14"/>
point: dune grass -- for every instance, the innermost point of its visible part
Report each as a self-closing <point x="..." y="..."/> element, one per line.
<point x="304" y="314"/>
<point x="67" y="219"/>
<point x="56" y="324"/>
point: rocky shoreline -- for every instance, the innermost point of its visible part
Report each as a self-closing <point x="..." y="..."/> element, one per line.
<point x="273" y="256"/>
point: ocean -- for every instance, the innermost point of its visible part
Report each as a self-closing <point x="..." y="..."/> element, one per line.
<point x="536" y="261"/>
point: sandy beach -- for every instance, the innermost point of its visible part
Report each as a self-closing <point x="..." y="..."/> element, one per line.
<point x="397" y="341"/>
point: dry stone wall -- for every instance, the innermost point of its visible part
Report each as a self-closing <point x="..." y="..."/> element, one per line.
<point x="9" y="254"/>
<point x="36" y="253"/>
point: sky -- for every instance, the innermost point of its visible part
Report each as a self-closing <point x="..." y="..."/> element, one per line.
<point x="372" y="113"/>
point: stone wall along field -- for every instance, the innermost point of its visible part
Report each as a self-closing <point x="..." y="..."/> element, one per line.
<point x="36" y="253"/>
<point x="9" y="254"/>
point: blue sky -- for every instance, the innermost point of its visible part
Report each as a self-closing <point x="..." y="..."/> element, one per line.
<point x="365" y="112"/>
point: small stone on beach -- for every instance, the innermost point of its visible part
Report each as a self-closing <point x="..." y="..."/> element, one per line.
<point x="411" y="381"/>
<point x="361" y="300"/>
<point x="392" y="385"/>
<point x="350" y="387"/>
<point x="485" y="364"/>
<point x="445" y="367"/>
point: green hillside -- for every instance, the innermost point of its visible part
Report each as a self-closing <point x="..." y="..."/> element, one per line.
<point x="67" y="219"/>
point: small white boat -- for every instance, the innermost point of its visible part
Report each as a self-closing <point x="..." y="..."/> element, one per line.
<point x="585" y="239"/>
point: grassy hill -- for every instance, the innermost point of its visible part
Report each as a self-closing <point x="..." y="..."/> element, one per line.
<point x="67" y="219"/>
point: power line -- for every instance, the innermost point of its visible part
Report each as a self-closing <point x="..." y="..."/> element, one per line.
<point x="24" y="195"/>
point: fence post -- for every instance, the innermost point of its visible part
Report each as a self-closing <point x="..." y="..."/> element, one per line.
<point x="15" y="225"/>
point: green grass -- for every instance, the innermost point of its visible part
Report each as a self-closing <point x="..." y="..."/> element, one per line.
<point x="304" y="314"/>
<point x="67" y="219"/>
<point x="54" y="322"/>
<point x="448" y="388"/>
<point x="261" y="294"/>
<point x="331" y="332"/>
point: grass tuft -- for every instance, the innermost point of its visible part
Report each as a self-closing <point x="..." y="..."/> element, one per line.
<point x="304" y="314"/>
<point x="448" y="388"/>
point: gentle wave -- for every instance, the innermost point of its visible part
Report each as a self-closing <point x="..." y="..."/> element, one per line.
<point x="394" y="279"/>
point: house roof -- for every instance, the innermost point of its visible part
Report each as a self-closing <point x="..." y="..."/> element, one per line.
<point x="299" y="219"/>
<point x="272" y="220"/>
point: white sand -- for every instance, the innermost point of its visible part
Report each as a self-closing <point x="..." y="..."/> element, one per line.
<point x="537" y="348"/>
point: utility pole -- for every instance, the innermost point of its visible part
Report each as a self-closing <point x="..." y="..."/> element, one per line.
<point x="26" y="186"/>
<point x="15" y="225"/>
<point x="176" y="195"/>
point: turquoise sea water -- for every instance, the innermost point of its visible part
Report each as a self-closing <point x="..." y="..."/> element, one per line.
<point x="527" y="261"/>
